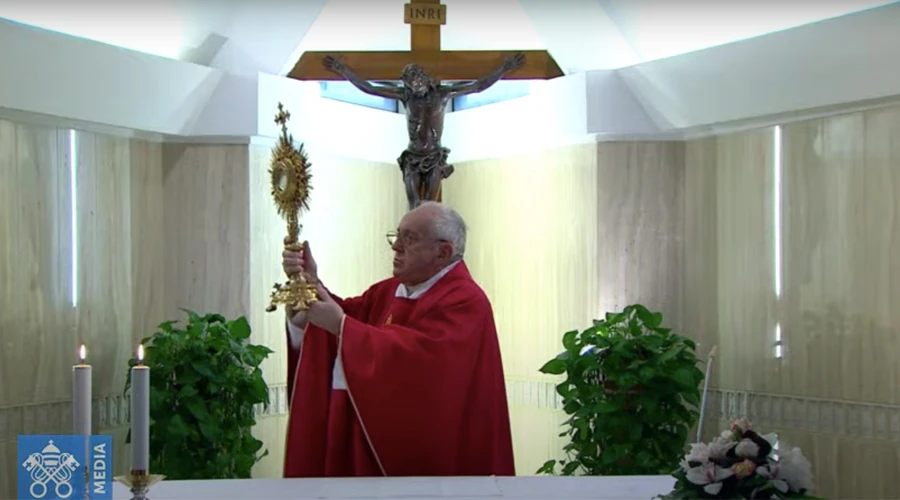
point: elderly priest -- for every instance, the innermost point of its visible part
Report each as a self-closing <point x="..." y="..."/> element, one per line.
<point x="405" y="380"/>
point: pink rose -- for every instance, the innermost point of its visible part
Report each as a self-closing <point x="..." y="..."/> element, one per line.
<point x="743" y="469"/>
<point x="742" y="424"/>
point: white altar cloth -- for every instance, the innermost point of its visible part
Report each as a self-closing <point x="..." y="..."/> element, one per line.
<point x="444" y="488"/>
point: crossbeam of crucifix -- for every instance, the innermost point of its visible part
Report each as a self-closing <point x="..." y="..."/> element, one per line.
<point x="425" y="18"/>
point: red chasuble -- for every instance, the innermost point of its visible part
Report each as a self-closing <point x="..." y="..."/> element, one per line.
<point x="425" y="390"/>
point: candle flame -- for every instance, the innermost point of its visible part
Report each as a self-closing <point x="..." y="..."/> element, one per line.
<point x="82" y="353"/>
<point x="140" y="353"/>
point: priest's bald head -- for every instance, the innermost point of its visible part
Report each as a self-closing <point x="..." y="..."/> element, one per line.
<point x="429" y="238"/>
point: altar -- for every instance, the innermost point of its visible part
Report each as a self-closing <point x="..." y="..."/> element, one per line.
<point x="474" y="488"/>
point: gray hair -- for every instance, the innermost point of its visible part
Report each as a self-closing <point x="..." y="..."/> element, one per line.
<point x="447" y="225"/>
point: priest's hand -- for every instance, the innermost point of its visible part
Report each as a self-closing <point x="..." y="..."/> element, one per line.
<point x="325" y="313"/>
<point x="297" y="318"/>
<point x="300" y="262"/>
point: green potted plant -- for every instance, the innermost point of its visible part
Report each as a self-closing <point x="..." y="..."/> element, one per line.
<point x="205" y="381"/>
<point x="632" y="393"/>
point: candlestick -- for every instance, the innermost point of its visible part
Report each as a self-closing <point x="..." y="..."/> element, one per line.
<point x="81" y="396"/>
<point x="140" y="414"/>
<point x="709" y="367"/>
<point x="139" y="483"/>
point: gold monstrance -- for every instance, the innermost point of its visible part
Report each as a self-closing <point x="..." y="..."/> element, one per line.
<point x="290" y="189"/>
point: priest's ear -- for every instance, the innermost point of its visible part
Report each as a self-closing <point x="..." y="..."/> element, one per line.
<point x="445" y="250"/>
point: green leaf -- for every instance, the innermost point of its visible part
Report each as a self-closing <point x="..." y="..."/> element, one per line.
<point x="192" y="316"/>
<point x="570" y="468"/>
<point x="645" y="316"/>
<point x="590" y="450"/>
<point x="251" y="446"/>
<point x="601" y="342"/>
<point x="201" y="366"/>
<point x="692" y="398"/>
<point x="566" y="390"/>
<point x="684" y="377"/>
<point x="197" y="408"/>
<point x="214" y="318"/>
<point x="549" y="467"/>
<point x="187" y="392"/>
<point x="606" y="407"/>
<point x="609" y="456"/>
<point x="554" y="367"/>
<point x="635" y="430"/>
<point x="256" y="355"/>
<point x="176" y="427"/>
<point x="670" y="353"/>
<point x="647" y="373"/>
<point x="649" y="403"/>
<point x="240" y="329"/>
<point x="209" y="430"/>
<point x="260" y="390"/>
<point x="612" y="319"/>
<point x="570" y="341"/>
<point x="166" y="326"/>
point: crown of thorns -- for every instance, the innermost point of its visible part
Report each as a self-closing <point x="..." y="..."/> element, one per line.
<point x="413" y="70"/>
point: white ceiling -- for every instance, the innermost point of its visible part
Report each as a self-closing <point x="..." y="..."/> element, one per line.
<point x="269" y="35"/>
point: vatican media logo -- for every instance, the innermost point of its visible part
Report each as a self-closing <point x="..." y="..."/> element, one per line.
<point x="65" y="467"/>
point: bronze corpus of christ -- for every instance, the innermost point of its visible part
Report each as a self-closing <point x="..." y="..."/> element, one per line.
<point x="424" y="162"/>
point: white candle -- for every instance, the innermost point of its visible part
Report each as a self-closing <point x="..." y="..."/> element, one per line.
<point x="140" y="414"/>
<point x="81" y="396"/>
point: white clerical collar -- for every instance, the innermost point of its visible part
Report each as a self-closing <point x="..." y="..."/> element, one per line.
<point x="414" y="292"/>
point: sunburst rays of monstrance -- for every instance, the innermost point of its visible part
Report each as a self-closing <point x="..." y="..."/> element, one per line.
<point x="290" y="176"/>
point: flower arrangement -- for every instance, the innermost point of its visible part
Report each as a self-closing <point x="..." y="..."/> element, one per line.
<point x="740" y="463"/>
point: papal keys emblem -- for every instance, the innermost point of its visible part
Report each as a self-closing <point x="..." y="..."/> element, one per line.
<point x="51" y="466"/>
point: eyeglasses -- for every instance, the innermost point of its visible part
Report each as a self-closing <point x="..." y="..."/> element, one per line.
<point x="406" y="238"/>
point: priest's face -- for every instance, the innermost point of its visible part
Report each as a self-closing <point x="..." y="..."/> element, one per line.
<point x="418" y="255"/>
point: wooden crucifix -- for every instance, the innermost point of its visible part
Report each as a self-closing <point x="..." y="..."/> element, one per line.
<point x="425" y="42"/>
<point x="424" y="162"/>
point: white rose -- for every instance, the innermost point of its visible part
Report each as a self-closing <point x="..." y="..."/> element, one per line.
<point x="746" y="449"/>
<point x="699" y="453"/>
<point x="796" y="470"/>
<point x="720" y="445"/>
<point x="791" y="472"/>
<point x="709" y="476"/>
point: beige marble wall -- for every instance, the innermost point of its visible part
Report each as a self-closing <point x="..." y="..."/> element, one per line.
<point x="118" y="294"/>
<point x="640" y="189"/>
<point x="833" y="390"/>
<point x="558" y="238"/>
<point x="159" y="227"/>
<point x="207" y="228"/>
